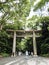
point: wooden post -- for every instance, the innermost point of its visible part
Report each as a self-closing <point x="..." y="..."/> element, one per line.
<point x="14" y="45"/>
<point x="34" y="44"/>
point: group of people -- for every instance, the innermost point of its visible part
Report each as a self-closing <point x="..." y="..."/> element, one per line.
<point x="26" y="53"/>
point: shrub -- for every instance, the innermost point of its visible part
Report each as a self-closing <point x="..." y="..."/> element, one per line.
<point x="4" y="54"/>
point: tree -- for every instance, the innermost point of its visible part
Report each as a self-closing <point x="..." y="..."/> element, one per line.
<point x="13" y="11"/>
<point x="16" y="14"/>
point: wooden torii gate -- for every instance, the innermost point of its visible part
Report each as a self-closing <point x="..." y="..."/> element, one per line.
<point x="34" y="34"/>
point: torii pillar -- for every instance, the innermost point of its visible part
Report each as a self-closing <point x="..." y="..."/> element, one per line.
<point x="14" y="45"/>
<point x="34" y="44"/>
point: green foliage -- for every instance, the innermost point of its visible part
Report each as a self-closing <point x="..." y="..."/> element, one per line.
<point x="13" y="9"/>
<point x="15" y="12"/>
<point x="22" y="44"/>
<point x="5" y="55"/>
<point x="31" y="22"/>
<point x="48" y="9"/>
<point x="40" y="4"/>
<point x="4" y="42"/>
<point x="45" y="55"/>
<point x="45" y="46"/>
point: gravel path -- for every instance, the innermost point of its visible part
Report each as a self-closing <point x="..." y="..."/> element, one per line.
<point x="25" y="60"/>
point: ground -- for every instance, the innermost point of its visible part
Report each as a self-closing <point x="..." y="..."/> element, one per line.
<point x="24" y="60"/>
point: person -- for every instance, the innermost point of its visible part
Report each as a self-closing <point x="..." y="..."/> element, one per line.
<point x="32" y="53"/>
<point x="29" y="53"/>
<point x="26" y="52"/>
<point x="20" y="53"/>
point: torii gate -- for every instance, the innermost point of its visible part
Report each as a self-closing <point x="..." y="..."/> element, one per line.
<point x="34" y="35"/>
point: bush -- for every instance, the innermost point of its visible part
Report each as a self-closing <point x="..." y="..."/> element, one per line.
<point x="45" y="55"/>
<point x="4" y="54"/>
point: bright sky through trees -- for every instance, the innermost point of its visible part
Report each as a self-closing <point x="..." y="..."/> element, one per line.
<point x="44" y="11"/>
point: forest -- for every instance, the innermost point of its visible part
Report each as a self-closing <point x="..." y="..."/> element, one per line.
<point x="14" y="17"/>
